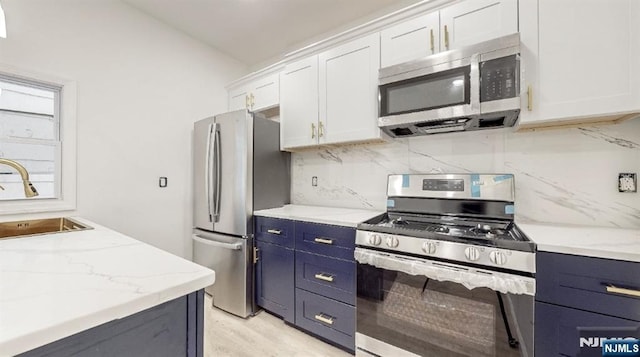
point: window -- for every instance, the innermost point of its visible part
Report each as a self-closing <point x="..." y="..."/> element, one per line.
<point x="37" y="130"/>
<point x="29" y="135"/>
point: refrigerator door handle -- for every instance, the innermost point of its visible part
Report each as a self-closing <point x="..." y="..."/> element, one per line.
<point x="208" y="178"/>
<point x="218" y="168"/>
<point x="213" y="243"/>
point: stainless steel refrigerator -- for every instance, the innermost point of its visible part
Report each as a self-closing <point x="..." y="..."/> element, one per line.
<point x="238" y="168"/>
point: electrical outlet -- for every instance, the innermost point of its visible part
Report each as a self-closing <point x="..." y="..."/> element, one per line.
<point x="627" y="182"/>
<point x="314" y="181"/>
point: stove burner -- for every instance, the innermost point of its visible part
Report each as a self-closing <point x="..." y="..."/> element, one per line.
<point x="399" y="222"/>
<point x="485" y="230"/>
<point x="442" y="229"/>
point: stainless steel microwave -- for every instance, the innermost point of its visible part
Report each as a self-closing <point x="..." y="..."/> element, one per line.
<point x="471" y="88"/>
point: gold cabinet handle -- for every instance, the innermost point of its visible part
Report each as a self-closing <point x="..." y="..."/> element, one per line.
<point x="253" y="100"/>
<point x="274" y="231"/>
<point x="247" y="101"/>
<point x="327" y="320"/>
<point x="433" y="48"/>
<point x="313" y="131"/>
<point x="529" y="98"/>
<point x="623" y="291"/>
<point x="323" y="240"/>
<point x="320" y="130"/>
<point x="321" y="276"/>
<point x="446" y="37"/>
<point x="255" y="255"/>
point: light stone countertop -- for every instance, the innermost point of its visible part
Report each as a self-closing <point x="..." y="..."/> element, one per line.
<point x="346" y="217"/>
<point x="599" y="242"/>
<point x="53" y="286"/>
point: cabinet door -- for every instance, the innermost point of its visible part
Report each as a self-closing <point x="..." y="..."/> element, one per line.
<point x="265" y="93"/>
<point x="299" y="104"/>
<point x="474" y="21"/>
<point x="410" y="40"/>
<point x="275" y="280"/>
<point x="238" y="98"/>
<point x="580" y="59"/>
<point x="349" y="91"/>
<point x="558" y="330"/>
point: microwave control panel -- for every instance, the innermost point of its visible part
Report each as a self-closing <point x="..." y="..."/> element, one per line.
<point x="499" y="78"/>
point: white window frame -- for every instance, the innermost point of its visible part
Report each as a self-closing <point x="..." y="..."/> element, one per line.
<point x="66" y="200"/>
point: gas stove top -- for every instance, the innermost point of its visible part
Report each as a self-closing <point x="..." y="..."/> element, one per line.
<point x="464" y="218"/>
<point x="490" y="233"/>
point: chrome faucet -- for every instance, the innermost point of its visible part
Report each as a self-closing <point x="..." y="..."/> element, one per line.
<point x="29" y="190"/>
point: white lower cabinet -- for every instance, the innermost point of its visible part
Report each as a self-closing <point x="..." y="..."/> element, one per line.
<point x="579" y="60"/>
<point x="331" y="98"/>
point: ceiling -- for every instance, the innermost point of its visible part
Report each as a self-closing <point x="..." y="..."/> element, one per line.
<point x="258" y="31"/>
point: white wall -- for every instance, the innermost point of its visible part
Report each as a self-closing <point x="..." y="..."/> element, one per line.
<point x="561" y="175"/>
<point x="141" y="85"/>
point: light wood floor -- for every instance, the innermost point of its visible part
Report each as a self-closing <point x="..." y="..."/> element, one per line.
<point x="262" y="335"/>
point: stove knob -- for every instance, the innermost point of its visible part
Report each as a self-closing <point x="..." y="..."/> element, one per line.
<point x="429" y="247"/>
<point x="472" y="253"/>
<point x="392" y="242"/>
<point x="498" y="257"/>
<point x="375" y="239"/>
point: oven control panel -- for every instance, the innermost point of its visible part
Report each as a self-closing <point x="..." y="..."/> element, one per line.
<point x="454" y="251"/>
<point x="443" y="185"/>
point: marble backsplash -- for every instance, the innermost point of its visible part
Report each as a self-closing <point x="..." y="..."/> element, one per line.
<point x="562" y="175"/>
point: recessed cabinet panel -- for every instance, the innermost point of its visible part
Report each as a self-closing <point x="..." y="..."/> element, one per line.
<point x="238" y="99"/>
<point x="410" y="40"/>
<point x="265" y="93"/>
<point x="470" y="22"/>
<point x="582" y="58"/>
<point x="348" y="92"/>
<point x="299" y="104"/>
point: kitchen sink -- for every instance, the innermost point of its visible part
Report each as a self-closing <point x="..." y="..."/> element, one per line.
<point x="32" y="227"/>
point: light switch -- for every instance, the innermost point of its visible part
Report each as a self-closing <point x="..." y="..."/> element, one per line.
<point x="162" y="182"/>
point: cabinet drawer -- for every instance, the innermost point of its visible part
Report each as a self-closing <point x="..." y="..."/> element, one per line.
<point x="330" y="277"/>
<point x="558" y="330"/>
<point x="327" y="318"/>
<point x="333" y="241"/>
<point x="585" y="283"/>
<point x="275" y="231"/>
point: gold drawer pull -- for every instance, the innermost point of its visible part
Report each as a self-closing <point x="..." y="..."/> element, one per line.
<point x="323" y="240"/>
<point x="321" y="276"/>
<point x="327" y="320"/>
<point x="274" y="231"/>
<point x="623" y="291"/>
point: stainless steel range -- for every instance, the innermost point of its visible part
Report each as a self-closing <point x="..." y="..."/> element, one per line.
<point x="445" y="271"/>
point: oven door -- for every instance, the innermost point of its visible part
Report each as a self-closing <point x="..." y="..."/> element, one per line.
<point x="402" y="314"/>
<point x="442" y="90"/>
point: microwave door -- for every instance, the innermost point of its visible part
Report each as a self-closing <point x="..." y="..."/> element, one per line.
<point x="449" y="90"/>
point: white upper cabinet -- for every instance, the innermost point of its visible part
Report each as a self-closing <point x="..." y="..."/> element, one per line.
<point x="458" y="25"/>
<point x="579" y="60"/>
<point x="299" y="104"/>
<point x="410" y="40"/>
<point x="474" y="21"/>
<point x="348" y="91"/>
<point x="331" y="98"/>
<point x="260" y="94"/>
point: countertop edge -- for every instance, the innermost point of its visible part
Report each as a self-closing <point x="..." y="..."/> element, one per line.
<point x="336" y="216"/>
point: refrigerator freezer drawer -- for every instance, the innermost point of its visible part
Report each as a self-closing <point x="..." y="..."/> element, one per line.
<point x="228" y="256"/>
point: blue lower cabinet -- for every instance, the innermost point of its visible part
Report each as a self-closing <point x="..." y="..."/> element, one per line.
<point x="330" y="277"/>
<point x="332" y="241"/>
<point x="174" y="328"/>
<point x="563" y="331"/>
<point x="327" y="318"/>
<point x="275" y="280"/>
